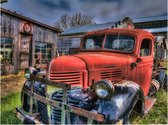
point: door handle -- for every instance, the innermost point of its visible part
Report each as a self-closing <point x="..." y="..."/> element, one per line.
<point x="139" y="60"/>
<point x="133" y="65"/>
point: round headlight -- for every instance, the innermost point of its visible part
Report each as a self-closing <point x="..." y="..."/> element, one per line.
<point x="30" y="71"/>
<point x="104" y="89"/>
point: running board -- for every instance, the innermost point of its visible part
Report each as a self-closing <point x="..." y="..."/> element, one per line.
<point x="149" y="102"/>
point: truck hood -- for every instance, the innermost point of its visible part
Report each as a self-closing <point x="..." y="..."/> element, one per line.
<point x="88" y="61"/>
<point x="103" y="60"/>
<point x="66" y="63"/>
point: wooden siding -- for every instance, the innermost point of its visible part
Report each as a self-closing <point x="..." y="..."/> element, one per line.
<point x="9" y="28"/>
<point x="65" y="43"/>
<point x="12" y="27"/>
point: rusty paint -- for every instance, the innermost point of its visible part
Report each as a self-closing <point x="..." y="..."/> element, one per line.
<point x="149" y="102"/>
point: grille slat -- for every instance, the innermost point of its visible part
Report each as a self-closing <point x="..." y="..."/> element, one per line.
<point x="41" y="105"/>
<point x="67" y="77"/>
<point x="69" y="82"/>
<point x="66" y="80"/>
<point x="64" y="75"/>
<point x="112" y="74"/>
<point x="56" y="111"/>
<point x="112" y="78"/>
<point x="65" y="72"/>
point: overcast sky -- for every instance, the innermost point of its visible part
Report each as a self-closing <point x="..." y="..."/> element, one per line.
<point x="49" y="11"/>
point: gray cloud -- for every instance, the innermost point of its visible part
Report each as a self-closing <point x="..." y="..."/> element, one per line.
<point x="62" y="4"/>
<point x="100" y="1"/>
<point x="106" y="12"/>
<point x="49" y="11"/>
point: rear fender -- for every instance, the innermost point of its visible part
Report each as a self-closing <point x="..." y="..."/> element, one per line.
<point x="121" y="104"/>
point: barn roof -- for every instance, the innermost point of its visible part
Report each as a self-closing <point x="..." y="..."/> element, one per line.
<point x="93" y="27"/>
<point x="2" y="10"/>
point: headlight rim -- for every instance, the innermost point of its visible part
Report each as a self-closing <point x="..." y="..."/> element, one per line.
<point x="110" y="88"/>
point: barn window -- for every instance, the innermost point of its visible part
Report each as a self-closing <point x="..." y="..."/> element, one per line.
<point x="43" y="53"/>
<point x="6" y="50"/>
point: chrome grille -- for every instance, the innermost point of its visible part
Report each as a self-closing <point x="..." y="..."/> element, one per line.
<point x="56" y="113"/>
<point x="67" y="77"/>
<point x="41" y="107"/>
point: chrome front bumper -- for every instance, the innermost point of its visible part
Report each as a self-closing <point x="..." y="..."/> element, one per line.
<point x="27" y="119"/>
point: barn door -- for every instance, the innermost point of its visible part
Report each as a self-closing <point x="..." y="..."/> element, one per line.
<point x="25" y="51"/>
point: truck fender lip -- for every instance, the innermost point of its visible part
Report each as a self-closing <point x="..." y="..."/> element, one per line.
<point x="122" y="102"/>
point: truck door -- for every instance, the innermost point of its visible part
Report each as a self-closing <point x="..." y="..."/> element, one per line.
<point x="145" y="64"/>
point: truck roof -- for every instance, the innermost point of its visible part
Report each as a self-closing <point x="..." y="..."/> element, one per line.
<point x="119" y="30"/>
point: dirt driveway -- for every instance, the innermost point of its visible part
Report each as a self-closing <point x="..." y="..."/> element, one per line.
<point x="11" y="83"/>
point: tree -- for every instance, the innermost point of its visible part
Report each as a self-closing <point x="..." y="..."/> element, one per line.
<point x="63" y="22"/>
<point x="78" y="19"/>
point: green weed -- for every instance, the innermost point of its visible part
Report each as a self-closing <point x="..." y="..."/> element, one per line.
<point x="158" y="113"/>
<point x="8" y="105"/>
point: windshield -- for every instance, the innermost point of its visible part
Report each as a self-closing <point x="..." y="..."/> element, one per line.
<point x="120" y="42"/>
<point x="93" y="42"/>
<point x="124" y="43"/>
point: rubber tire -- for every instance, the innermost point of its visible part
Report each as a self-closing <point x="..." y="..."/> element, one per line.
<point x="166" y="82"/>
<point x="161" y="78"/>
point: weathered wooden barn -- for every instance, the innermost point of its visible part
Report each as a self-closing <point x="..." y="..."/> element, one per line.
<point x="25" y="42"/>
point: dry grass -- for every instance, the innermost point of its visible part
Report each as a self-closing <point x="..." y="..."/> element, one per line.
<point x="11" y="83"/>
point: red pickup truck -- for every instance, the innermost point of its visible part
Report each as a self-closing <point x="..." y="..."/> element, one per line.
<point x="112" y="75"/>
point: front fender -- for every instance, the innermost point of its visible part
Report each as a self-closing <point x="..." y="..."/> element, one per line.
<point x="125" y="97"/>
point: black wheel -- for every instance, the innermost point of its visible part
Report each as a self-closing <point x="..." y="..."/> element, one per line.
<point x="162" y="78"/>
<point x="165" y="82"/>
<point x="154" y="87"/>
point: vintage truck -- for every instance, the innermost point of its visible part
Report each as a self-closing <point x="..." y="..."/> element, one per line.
<point x="112" y="74"/>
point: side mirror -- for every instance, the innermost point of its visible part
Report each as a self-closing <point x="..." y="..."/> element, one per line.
<point x="139" y="60"/>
